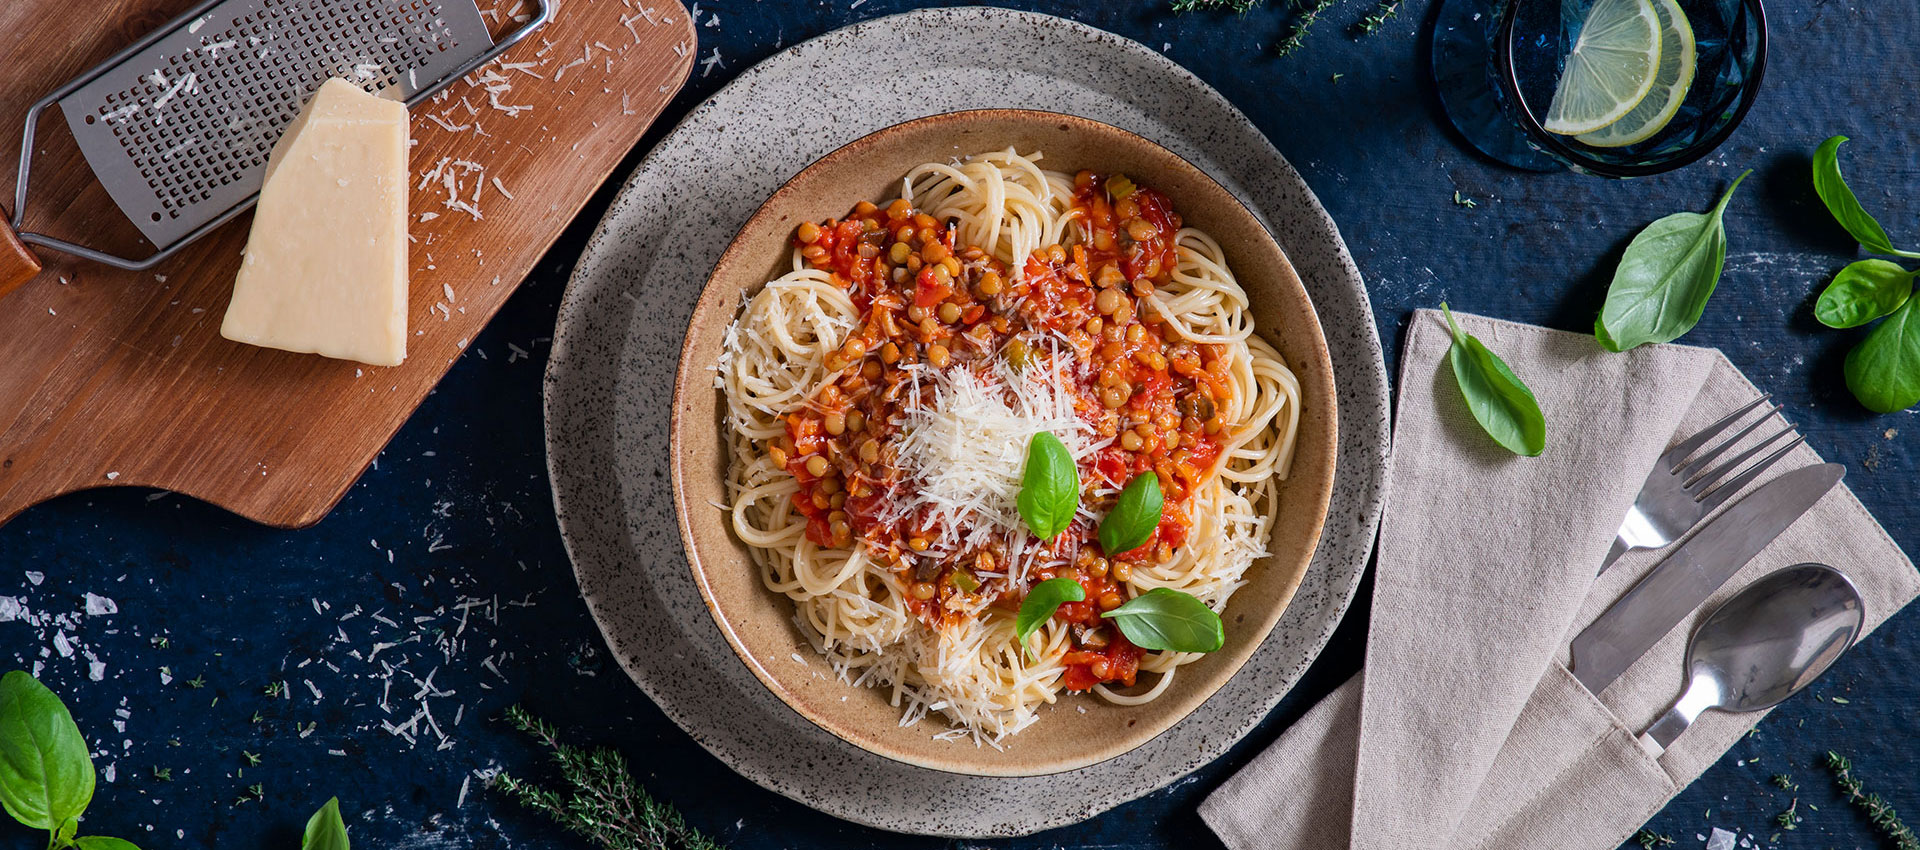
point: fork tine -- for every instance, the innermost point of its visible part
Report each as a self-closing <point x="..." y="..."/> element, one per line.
<point x="1699" y="482"/>
<point x="1713" y="498"/>
<point x="1688" y="446"/>
<point x="1691" y="469"/>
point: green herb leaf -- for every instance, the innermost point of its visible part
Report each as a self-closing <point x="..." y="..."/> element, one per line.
<point x="1840" y="200"/>
<point x="1499" y="400"/>
<point x="1167" y="619"/>
<point x="325" y="830"/>
<point x="64" y="835"/>
<point x="1134" y="516"/>
<point x="1862" y="292"/>
<point x="1884" y="369"/>
<point x="1666" y="276"/>
<point x="97" y="842"/>
<point x="1042" y="600"/>
<point x="46" y="776"/>
<point x="1049" y="488"/>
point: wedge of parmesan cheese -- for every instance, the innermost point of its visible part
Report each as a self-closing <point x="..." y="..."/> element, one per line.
<point x="325" y="270"/>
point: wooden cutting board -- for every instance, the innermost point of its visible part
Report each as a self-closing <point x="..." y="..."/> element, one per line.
<point x="115" y="378"/>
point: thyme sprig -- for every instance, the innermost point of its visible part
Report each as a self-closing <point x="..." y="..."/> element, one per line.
<point x="1381" y="14"/>
<point x="1650" y="840"/>
<point x="602" y="802"/>
<point x="1878" y="811"/>
<point x="1309" y="15"/>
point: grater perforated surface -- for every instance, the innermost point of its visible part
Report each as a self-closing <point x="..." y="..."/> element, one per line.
<point x="180" y="132"/>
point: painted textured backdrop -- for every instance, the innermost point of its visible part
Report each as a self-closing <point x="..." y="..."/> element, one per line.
<point x="370" y="657"/>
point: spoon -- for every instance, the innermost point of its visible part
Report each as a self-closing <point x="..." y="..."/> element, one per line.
<point x="1765" y="644"/>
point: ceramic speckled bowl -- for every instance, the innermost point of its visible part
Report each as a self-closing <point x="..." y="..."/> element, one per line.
<point x="624" y="320"/>
<point x="759" y="623"/>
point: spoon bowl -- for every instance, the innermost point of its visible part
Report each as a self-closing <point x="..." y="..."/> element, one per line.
<point x="1765" y="644"/>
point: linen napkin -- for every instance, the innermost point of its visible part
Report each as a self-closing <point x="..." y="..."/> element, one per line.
<point x="1465" y="728"/>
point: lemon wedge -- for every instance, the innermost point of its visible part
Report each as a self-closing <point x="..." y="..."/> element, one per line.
<point x="1611" y="69"/>
<point x="1670" y="85"/>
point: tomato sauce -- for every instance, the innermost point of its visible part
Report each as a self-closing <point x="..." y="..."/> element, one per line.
<point x="926" y="300"/>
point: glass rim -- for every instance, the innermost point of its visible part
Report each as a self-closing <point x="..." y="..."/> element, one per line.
<point x="1508" y="79"/>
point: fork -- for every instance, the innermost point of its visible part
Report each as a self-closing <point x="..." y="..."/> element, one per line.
<point x="1681" y="490"/>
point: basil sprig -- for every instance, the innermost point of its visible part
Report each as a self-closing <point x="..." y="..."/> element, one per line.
<point x="1167" y="619"/>
<point x="1883" y="371"/>
<point x="1042" y="600"/>
<point x="1840" y="200"/>
<point x="1498" y="399"/>
<point x="1863" y="291"/>
<point x="1049" y="488"/>
<point x="46" y="775"/>
<point x="325" y="830"/>
<point x="1662" y="284"/>
<point x="1134" y="516"/>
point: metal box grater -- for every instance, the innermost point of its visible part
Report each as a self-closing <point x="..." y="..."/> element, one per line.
<point x="178" y="126"/>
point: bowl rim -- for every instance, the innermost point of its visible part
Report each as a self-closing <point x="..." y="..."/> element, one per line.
<point x="691" y="377"/>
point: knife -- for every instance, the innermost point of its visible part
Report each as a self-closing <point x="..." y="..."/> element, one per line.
<point x="1693" y="572"/>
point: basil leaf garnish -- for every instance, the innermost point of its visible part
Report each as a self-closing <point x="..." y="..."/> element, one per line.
<point x="1498" y="399"/>
<point x="1167" y="619"/>
<point x="1884" y="369"/>
<point x="1862" y="292"/>
<point x="1042" y="600"/>
<point x="97" y="842"/>
<point x="1840" y="200"/>
<point x="1049" y="488"/>
<point x="1134" y="516"/>
<point x="325" y="830"/>
<point x="1666" y="276"/>
<point x="46" y="776"/>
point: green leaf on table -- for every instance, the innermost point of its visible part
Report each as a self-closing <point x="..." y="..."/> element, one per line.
<point x="1863" y="291"/>
<point x="46" y="776"/>
<point x="96" y="842"/>
<point x="1662" y="284"/>
<point x="1884" y="369"/>
<point x="1042" y="600"/>
<point x="1134" y="516"/>
<point x="1049" y="488"/>
<point x="1498" y="399"/>
<point x="1167" y="619"/>
<point x="1840" y="200"/>
<point x="325" y="830"/>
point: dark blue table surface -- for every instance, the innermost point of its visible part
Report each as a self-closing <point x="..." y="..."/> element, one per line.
<point x="440" y="584"/>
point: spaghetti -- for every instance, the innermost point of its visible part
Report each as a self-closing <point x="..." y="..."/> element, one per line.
<point x="881" y="396"/>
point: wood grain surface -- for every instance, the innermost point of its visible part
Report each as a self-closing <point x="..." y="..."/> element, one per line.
<point x="115" y="378"/>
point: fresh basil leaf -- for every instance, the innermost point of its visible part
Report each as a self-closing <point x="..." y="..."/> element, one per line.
<point x="64" y="835"/>
<point x="46" y="776"/>
<point x="1134" y="516"/>
<point x="1840" y="200"/>
<point x="1167" y="619"/>
<point x="1049" y="488"/>
<point x="1498" y="399"/>
<point x="96" y="842"/>
<point x="325" y="830"/>
<point x="1666" y="276"/>
<point x="1862" y="292"/>
<point x="1884" y="369"/>
<point x="1042" y="600"/>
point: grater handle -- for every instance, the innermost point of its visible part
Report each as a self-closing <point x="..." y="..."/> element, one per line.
<point x="17" y="264"/>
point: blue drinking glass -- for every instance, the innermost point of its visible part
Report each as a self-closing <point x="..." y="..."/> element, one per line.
<point x="1496" y="64"/>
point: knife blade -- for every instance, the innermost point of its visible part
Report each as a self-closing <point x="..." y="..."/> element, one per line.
<point x="1683" y="581"/>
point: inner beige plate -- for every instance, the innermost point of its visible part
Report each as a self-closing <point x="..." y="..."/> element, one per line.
<point x="758" y="622"/>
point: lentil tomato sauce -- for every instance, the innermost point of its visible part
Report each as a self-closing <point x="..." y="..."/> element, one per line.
<point x="925" y="300"/>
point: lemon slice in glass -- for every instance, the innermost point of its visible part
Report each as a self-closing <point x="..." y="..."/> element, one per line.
<point x="1670" y="85"/>
<point x="1610" y="70"/>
